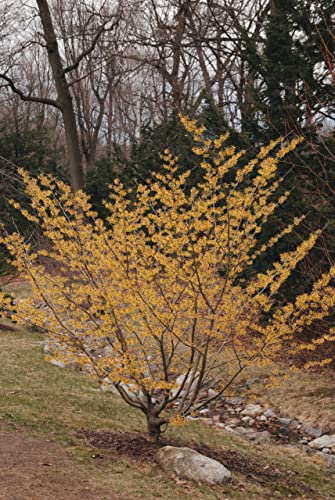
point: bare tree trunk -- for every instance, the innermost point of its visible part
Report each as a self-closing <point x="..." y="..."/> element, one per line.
<point x="154" y="425"/>
<point x="64" y="97"/>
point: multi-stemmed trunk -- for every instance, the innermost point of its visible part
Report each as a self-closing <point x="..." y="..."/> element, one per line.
<point x="154" y="426"/>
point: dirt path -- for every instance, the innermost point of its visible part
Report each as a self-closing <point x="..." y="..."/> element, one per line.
<point x="33" y="468"/>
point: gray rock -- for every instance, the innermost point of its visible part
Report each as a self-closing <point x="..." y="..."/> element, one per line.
<point x="46" y="347"/>
<point x="263" y="437"/>
<point x="325" y="441"/>
<point x="212" y="393"/>
<point x="220" y="425"/>
<point x="252" y="410"/>
<point x="57" y="362"/>
<point x="108" y="386"/>
<point x="269" y="413"/>
<point x="250" y="434"/>
<point x="236" y="401"/>
<point x="180" y="381"/>
<point x="204" y="420"/>
<point x="88" y="368"/>
<point x="284" y="421"/>
<point x="242" y="430"/>
<point x="251" y="381"/>
<point x="233" y="421"/>
<point x="326" y="450"/>
<point x="312" y="431"/>
<point x="329" y="461"/>
<point x="107" y="351"/>
<point x="74" y="365"/>
<point x="186" y="463"/>
<point x="331" y="464"/>
<point x="232" y="430"/>
<point x="295" y="424"/>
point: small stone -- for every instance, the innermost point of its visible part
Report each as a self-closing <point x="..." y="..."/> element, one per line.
<point x="46" y="348"/>
<point x="212" y="393"/>
<point x="180" y="382"/>
<point x="241" y="430"/>
<point x="326" y="450"/>
<point x="330" y="461"/>
<point x="220" y="425"/>
<point x="284" y="421"/>
<point x="216" y="418"/>
<point x="263" y="437"/>
<point x="75" y="365"/>
<point x="204" y="420"/>
<point x="228" y="428"/>
<point x="246" y="419"/>
<point x="269" y="413"/>
<point x="57" y="362"/>
<point x="236" y="401"/>
<point x="325" y="441"/>
<point x="107" y="351"/>
<point x="233" y="421"/>
<point x="295" y="424"/>
<point x="321" y="455"/>
<point x="303" y="441"/>
<point x="109" y="388"/>
<point x="261" y="418"/>
<point x="252" y="435"/>
<point x="312" y="431"/>
<point x="203" y="395"/>
<point x="251" y="381"/>
<point x="252" y="410"/>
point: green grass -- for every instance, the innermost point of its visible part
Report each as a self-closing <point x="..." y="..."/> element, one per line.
<point x="55" y="402"/>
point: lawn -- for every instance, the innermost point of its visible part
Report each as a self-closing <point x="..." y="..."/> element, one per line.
<point x="55" y="404"/>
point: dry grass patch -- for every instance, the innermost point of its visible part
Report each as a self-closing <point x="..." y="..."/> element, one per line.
<point x="306" y="396"/>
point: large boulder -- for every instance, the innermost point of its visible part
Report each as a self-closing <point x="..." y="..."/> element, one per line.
<point x="186" y="463"/>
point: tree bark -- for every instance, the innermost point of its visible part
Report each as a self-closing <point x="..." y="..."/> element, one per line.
<point x="64" y="97"/>
<point x="154" y="425"/>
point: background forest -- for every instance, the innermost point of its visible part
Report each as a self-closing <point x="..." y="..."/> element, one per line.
<point x="92" y="90"/>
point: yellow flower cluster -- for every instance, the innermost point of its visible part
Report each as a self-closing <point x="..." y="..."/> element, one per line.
<point x="155" y="289"/>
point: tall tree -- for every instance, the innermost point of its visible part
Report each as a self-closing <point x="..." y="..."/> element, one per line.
<point x="64" y="97"/>
<point x="62" y="70"/>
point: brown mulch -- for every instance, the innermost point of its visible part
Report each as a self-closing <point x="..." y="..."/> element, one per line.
<point x="7" y="328"/>
<point x="137" y="446"/>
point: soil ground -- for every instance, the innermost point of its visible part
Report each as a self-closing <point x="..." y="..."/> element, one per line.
<point x="34" y="468"/>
